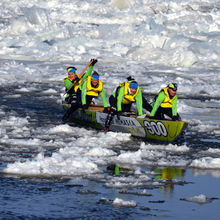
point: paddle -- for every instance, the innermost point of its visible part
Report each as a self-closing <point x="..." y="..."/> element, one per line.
<point x="80" y="75"/>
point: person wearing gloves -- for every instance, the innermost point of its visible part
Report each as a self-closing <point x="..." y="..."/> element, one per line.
<point x="127" y="93"/>
<point x="74" y="81"/>
<point x="121" y="101"/>
<point x="166" y="104"/>
<point x="91" y="88"/>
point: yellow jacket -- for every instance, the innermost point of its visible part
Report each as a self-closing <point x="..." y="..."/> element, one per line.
<point x="167" y="102"/>
<point x="92" y="91"/>
<point x="69" y="83"/>
<point x="128" y="98"/>
<point x="87" y="89"/>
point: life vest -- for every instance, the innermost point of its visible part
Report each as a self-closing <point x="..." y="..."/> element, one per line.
<point x="168" y="102"/>
<point x="66" y="79"/>
<point x="93" y="91"/>
<point x="128" y="98"/>
<point x="76" y="85"/>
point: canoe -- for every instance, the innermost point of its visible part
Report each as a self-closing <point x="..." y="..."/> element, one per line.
<point x="151" y="129"/>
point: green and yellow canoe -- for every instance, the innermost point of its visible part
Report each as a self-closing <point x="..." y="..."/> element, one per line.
<point x="161" y="130"/>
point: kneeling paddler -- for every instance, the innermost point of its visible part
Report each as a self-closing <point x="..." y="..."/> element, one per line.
<point x="91" y="88"/>
<point x="166" y="103"/>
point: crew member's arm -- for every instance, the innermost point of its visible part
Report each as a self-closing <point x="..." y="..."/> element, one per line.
<point x="69" y="87"/>
<point x="88" y="73"/>
<point x="120" y="98"/>
<point x="161" y="96"/>
<point x="105" y="103"/>
<point x="84" y="76"/>
<point x="83" y="94"/>
<point x="68" y="83"/>
<point x="174" y="107"/>
<point x="139" y="102"/>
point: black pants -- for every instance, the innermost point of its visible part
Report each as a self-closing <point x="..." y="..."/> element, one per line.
<point x="78" y="103"/>
<point x="165" y="111"/>
<point x="146" y="105"/>
<point x="71" y="99"/>
<point x="113" y="103"/>
<point x="127" y="107"/>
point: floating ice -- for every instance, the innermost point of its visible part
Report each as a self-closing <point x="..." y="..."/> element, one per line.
<point x="154" y="155"/>
<point x="158" y="41"/>
<point x="49" y="91"/>
<point x="121" y="4"/>
<point x="22" y="90"/>
<point x="200" y="199"/>
<point x="169" y="147"/>
<point x="206" y="163"/>
<point x="121" y="182"/>
<point x="55" y="165"/>
<point x="122" y="203"/>
<point x="14" y="121"/>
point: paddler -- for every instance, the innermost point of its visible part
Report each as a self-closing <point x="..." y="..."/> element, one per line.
<point x="74" y="81"/>
<point x="166" y="103"/>
<point x="127" y="93"/>
<point x="91" y="88"/>
<point x="121" y="101"/>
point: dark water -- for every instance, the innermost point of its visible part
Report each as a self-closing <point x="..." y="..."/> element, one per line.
<point x="91" y="197"/>
<point x="32" y="198"/>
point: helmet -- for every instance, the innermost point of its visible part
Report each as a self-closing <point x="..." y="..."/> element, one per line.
<point x="130" y="78"/>
<point x="173" y="86"/>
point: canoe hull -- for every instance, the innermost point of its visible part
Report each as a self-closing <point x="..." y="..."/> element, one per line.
<point x="161" y="130"/>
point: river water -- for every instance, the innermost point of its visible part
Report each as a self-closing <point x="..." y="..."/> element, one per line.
<point x="54" y="170"/>
<point x="51" y="170"/>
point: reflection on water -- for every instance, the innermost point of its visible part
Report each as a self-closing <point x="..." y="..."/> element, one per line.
<point x="213" y="172"/>
<point x="167" y="176"/>
<point x="114" y="169"/>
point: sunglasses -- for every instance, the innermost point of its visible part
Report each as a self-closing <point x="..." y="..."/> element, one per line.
<point x="174" y="89"/>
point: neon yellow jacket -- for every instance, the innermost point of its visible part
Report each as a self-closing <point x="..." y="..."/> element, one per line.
<point x="125" y="98"/>
<point x="163" y="99"/>
<point x="69" y="83"/>
<point x="88" y="89"/>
